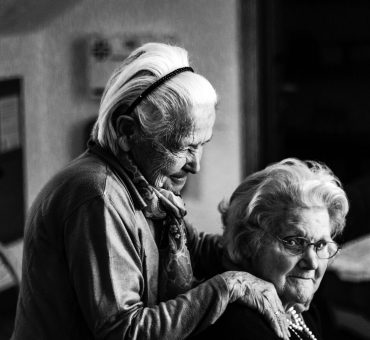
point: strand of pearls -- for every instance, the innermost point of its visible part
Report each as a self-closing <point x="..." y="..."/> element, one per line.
<point x="296" y="334"/>
<point x="298" y="325"/>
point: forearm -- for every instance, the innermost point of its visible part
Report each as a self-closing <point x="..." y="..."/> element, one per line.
<point x="174" y="319"/>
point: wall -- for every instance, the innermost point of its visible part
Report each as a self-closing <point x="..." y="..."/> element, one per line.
<point x="21" y="57"/>
<point x="52" y="63"/>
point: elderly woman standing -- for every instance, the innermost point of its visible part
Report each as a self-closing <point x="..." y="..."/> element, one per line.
<point x="279" y="225"/>
<point x="107" y="253"/>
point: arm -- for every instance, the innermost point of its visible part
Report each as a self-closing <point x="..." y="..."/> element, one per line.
<point x="209" y="259"/>
<point x="206" y="252"/>
<point x="105" y="260"/>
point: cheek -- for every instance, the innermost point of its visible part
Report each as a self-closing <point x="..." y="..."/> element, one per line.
<point x="173" y="163"/>
<point x="321" y="271"/>
<point x="281" y="266"/>
<point x="275" y="266"/>
<point x="167" y="165"/>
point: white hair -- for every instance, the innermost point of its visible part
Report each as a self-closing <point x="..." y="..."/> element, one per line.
<point x="163" y="115"/>
<point x="275" y="196"/>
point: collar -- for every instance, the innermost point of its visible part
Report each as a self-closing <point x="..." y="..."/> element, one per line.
<point x="112" y="161"/>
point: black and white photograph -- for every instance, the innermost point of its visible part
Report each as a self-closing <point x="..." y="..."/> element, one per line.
<point x="185" y="169"/>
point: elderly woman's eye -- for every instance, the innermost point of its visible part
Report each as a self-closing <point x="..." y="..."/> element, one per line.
<point x="192" y="149"/>
<point x="294" y="242"/>
<point x="185" y="148"/>
<point x="320" y="245"/>
<point x="181" y="151"/>
<point x="291" y="242"/>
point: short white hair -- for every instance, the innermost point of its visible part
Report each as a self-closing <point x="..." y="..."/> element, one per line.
<point x="163" y="115"/>
<point x="275" y="196"/>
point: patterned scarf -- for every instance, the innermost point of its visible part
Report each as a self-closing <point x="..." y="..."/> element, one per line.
<point x="163" y="206"/>
<point x="176" y="274"/>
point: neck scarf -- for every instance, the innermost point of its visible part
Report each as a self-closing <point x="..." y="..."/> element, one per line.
<point x="168" y="209"/>
<point x="176" y="274"/>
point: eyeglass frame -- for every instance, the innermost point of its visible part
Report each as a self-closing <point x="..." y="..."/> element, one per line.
<point x="283" y="242"/>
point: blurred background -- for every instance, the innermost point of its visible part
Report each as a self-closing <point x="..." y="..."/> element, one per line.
<point x="293" y="79"/>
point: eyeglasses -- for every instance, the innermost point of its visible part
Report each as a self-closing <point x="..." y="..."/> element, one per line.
<point x="296" y="245"/>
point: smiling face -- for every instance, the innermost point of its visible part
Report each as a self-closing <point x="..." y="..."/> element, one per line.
<point x="169" y="169"/>
<point x="296" y="277"/>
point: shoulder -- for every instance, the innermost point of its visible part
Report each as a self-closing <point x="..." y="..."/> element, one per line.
<point x="312" y="320"/>
<point x="239" y="322"/>
<point x="85" y="179"/>
<point x="86" y="174"/>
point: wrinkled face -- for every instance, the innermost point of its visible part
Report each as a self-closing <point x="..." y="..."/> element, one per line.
<point x="170" y="169"/>
<point x="296" y="277"/>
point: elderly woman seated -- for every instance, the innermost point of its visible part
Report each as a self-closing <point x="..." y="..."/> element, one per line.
<point x="280" y="225"/>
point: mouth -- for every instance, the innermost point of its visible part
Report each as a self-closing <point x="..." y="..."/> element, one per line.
<point x="297" y="277"/>
<point x="178" y="179"/>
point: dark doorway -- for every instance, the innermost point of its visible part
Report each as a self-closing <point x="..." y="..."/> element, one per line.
<point x="315" y="83"/>
<point x="11" y="196"/>
<point x="11" y="161"/>
<point x="314" y="90"/>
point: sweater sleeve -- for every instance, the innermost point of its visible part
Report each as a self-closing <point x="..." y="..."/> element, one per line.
<point x="206" y="253"/>
<point x="105" y="261"/>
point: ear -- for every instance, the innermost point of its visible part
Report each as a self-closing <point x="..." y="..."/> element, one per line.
<point x="126" y="127"/>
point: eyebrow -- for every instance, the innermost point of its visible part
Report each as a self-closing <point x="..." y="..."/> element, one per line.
<point x="208" y="140"/>
<point x="205" y="142"/>
<point x="324" y="238"/>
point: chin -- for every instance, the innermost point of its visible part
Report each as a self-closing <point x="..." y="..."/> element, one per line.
<point x="174" y="187"/>
<point x="298" y="299"/>
<point x="300" y="307"/>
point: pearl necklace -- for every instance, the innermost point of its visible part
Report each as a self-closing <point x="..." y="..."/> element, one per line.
<point x="299" y="325"/>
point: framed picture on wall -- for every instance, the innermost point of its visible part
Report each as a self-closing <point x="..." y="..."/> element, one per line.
<point x="10" y="107"/>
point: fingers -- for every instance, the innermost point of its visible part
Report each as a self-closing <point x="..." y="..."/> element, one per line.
<point x="281" y="320"/>
<point x="260" y="295"/>
<point x="275" y="323"/>
<point x="278" y="311"/>
<point x="275" y="315"/>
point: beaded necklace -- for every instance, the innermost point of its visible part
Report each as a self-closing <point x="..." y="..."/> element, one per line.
<point x="298" y="325"/>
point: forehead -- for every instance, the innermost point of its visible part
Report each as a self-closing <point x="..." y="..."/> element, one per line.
<point x="203" y="118"/>
<point x="313" y="223"/>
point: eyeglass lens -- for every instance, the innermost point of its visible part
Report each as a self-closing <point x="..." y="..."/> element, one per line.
<point x="298" y="245"/>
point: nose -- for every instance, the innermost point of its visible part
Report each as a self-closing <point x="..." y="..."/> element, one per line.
<point x="309" y="258"/>
<point x="193" y="161"/>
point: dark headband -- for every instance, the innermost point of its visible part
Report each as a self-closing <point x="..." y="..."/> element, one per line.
<point x="152" y="87"/>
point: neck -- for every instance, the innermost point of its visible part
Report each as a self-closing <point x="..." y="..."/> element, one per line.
<point x="297" y="326"/>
